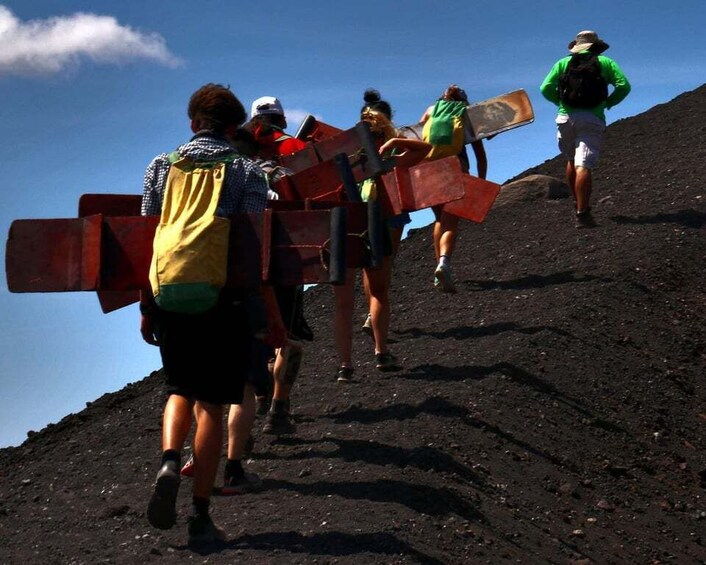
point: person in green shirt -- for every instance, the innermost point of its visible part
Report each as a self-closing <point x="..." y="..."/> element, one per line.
<point x="580" y="127"/>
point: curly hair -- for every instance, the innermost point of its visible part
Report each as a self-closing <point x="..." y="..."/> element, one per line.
<point x="214" y="107"/>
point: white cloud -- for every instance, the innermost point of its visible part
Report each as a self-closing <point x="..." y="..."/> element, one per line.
<point x="52" y="45"/>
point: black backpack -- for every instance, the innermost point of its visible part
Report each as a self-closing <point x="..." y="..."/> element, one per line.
<point x="581" y="85"/>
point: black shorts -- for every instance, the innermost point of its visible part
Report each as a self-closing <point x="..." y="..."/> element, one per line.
<point x="207" y="356"/>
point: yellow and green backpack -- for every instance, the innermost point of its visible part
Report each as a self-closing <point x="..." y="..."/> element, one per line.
<point x="190" y="250"/>
<point x="445" y="129"/>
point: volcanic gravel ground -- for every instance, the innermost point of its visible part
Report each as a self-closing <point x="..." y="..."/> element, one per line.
<point x="553" y="411"/>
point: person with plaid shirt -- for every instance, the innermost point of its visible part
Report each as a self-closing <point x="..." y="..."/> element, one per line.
<point x="205" y="356"/>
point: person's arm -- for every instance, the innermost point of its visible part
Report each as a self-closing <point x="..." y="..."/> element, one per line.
<point x="617" y="78"/>
<point x="549" y="87"/>
<point x="147" y="318"/>
<point x="481" y="158"/>
<point x="151" y="199"/>
<point x="411" y="151"/>
<point x="426" y="114"/>
<point x="254" y="187"/>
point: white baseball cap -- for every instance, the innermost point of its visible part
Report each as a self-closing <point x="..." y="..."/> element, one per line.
<point x="266" y="105"/>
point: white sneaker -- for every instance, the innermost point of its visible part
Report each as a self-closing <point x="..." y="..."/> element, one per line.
<point x="443" y="279"/>
<point x="367" y="326"/>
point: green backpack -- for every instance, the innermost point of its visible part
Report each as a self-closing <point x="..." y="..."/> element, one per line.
<point x="445" y="129"/>
<point x="190" y="249"/>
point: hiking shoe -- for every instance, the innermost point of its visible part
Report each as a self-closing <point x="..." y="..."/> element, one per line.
<point x="202" y="531"/>
<point x="367" y="327"/>
<point x="344" y="375"/>
<point x="387" y="362"/>
<point x="278" y="423"/>
<point x="249" y="482"/>
<point x="188" y="469"/>
<point x="161" y="510"/>
<point x="443" y="279"/>
<point x="585" y="219"/>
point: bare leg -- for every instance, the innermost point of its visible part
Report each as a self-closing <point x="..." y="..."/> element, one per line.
<point x="582" y="188"/>
<point x="445" y="228"/>
<point x="285" y="370"/>
<point x="378" y="283"/>
<point x="241" y="418"/>
<point x="176" y="422"/>
<point x="207" y="447"/>
<point x="377" y="287"/>
<point x="437" y="233"/>
<point x="446" y="233"/>
<point x="571" y="178"/>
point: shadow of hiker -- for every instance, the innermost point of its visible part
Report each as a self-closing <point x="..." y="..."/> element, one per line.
<point x="439" y="407"/>
<point x="533" y="281"/>
<point x="467" y="332"/>
<point x="375" y="453"/>
<point x="333" y="544"/>
<point x="421" y="498"/>
<point x="519" y="375"/>
<point x="688" y="218"/>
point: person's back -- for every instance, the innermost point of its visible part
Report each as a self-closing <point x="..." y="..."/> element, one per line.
<point x="193" y="346"/>
<point x="267" y="124"/>
<point x="610" y="71"/>
<point x="446" y="225"/>
<point x="581" y="100"/>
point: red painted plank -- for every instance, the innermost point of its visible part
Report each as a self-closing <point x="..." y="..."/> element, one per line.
<point x="478" y="199"/>
<point x="430" y="183"/>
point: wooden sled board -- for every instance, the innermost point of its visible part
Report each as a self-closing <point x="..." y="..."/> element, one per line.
<point x="479" y="196"/>
<point x="357" y="244"/>
<point x="114" y="253"/>
<point x="112" y="205"/>
<point x="314" y="130"/>
<point x="356" y="143"/>
<point x="109" y="204"/>
<point x="321" y="181"/>
<point x="490" y="117"/>
<point x="430" y="183"/>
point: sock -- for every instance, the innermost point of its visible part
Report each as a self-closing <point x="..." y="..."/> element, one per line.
<point x="234" y="468"/>
<point x="200" y="506"/>
<point x="279" y="406"/>
<point x="445" y="260"/>
<point x="171" y="455"/>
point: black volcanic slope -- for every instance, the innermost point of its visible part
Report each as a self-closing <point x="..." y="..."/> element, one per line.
<point x="553" y="411"/>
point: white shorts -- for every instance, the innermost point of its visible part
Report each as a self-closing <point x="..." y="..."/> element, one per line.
<point x="579" y="136"/>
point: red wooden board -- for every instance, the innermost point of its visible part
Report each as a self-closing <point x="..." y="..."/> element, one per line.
<point x="357" y="254"/>
<point x="428" y="184"/>
<point x="478" y="199"/>
<point x="109" y="205"/>
<point x="313" y="130"/>
<point x="357" y="143"/>
<point x="114" y="253"/>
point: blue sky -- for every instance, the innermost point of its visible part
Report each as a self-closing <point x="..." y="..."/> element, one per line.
<point x="91" y="91"/>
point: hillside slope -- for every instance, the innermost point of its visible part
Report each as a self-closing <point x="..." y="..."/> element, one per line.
<point x="553" y="411"/>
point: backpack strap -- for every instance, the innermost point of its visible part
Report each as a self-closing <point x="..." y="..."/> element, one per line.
<point x="175" y="156"/>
